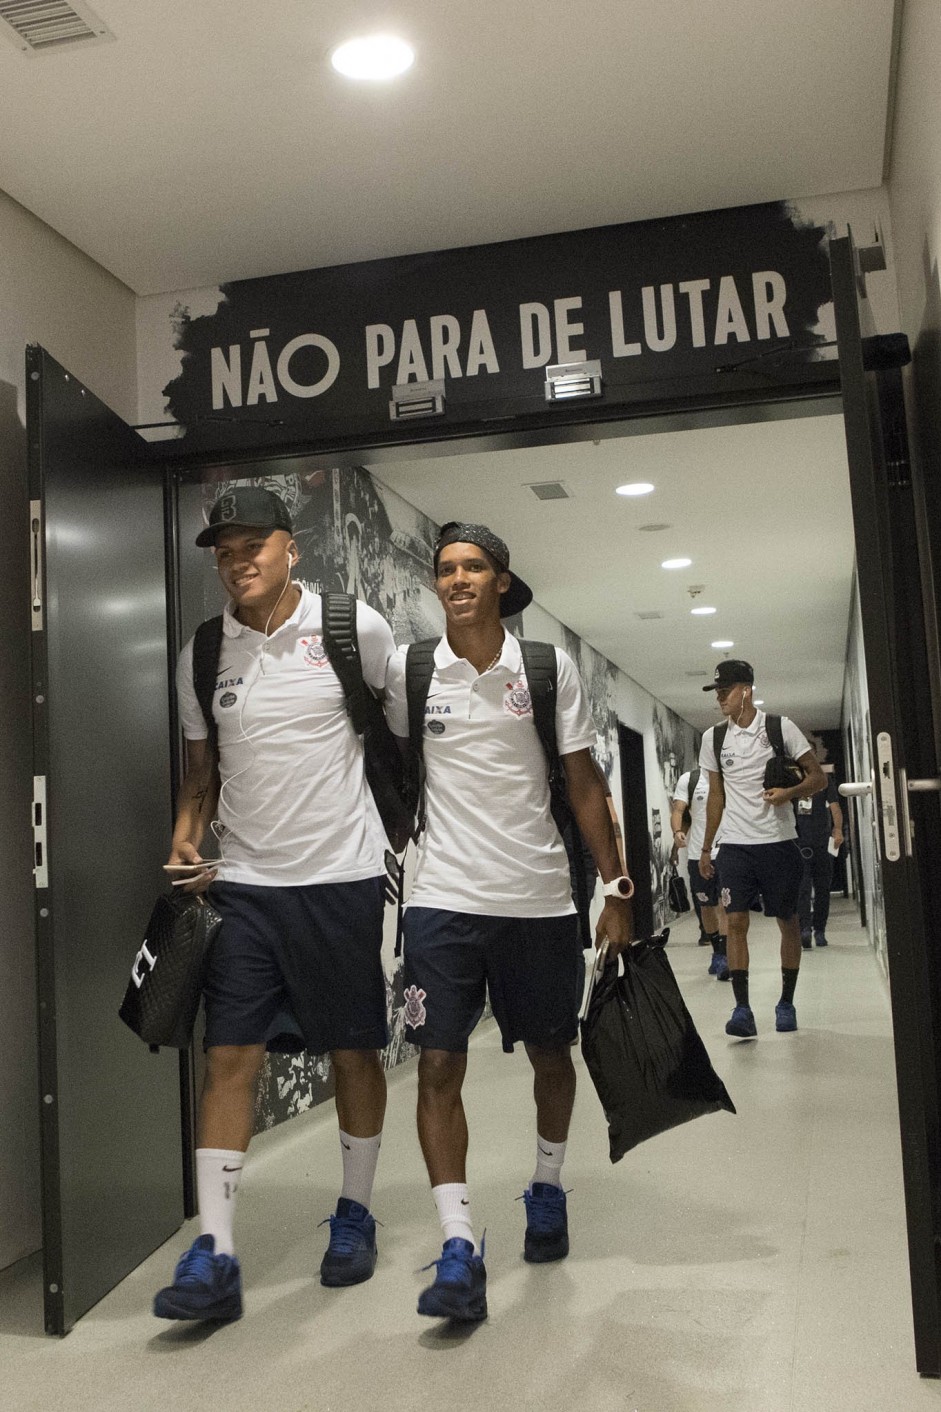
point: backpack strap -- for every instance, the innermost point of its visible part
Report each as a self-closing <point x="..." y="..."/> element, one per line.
<point x="718" y="740"/>
<point x="419" y="669"/>
<point x="542" y="677"/>
<point x="341" y="642"/>
<point x="207" y="644"/>
<point x="694" y="780"/>
<point x="775" y="734"/>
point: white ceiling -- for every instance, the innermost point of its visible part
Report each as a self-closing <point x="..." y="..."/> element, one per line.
<point x="212" y="141"/>
<point x="762" y="510"/>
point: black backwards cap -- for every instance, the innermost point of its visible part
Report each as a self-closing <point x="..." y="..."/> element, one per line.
<point x="248" y="508"/>
<point x="519" y="595"/>
<point x="732" y="673"/>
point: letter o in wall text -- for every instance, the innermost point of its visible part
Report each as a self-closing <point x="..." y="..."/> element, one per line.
<point x="302" y="389"/>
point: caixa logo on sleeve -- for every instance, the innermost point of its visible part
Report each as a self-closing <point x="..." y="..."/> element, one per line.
<point x="246" y="374"/>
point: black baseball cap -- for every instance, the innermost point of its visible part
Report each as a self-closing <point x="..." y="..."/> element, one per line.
<point x="732" y="673"/>
<point x="519" y="595"/>
<point x="249" y="508"/>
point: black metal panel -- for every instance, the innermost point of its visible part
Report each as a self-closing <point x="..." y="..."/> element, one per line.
<point x="900" y="697"/>
<point x="110" y="1109"/>
<point x="636" y="827"/>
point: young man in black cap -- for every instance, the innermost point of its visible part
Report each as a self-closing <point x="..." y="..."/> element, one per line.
<point x="491" y="907"/>
<point x="299" y="887"/>
<point x="759" y="858"/>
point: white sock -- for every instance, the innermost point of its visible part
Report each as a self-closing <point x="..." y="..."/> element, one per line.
<point x="360" y="1155"/>
<point x="549" y="1159"/>
<point x="454" y="1212"/>
<point x="217" y="1181"/>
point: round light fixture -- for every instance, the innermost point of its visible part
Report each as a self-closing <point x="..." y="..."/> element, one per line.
<point x="375" y="57"/>
<point x="701" y="612"/>
<point x="720" y="645"/>
<point x="758" y="701"/>
<point x="639" y="487"/>
<point x="676" y="563"/>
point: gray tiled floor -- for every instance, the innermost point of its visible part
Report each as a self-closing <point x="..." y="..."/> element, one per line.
<point x="751" y="1262"/>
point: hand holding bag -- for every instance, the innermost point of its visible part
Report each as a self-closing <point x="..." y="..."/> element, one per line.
<point x="677" y="893"/>
<point x="166" y="985"/>
<point x="646" y="1060"/>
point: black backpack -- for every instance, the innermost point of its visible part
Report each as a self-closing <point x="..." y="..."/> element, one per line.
<point x="687" y="816"/>
<point x="387" y="773"/>
<point x="539" y="662"/>
<point x="781" y="772"/>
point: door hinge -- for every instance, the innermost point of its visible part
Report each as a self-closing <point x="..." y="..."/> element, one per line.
<point x="40" y="850"/>
<point x="35" y="563"/>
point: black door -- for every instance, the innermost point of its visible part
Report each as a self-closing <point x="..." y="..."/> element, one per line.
<point x="636" y="829"/>
<point x="905" y="765"/>
<point x="111" y="1138"/>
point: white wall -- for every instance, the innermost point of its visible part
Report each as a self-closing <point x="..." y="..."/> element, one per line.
<point x="50" y="294"/>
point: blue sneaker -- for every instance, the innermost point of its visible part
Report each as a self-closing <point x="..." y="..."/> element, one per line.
<point x="742" y="1024"/>
<point x="547" y="1227"/>
<point x="351" y="1255"/>
<point x="460" y="1287"/>
<point x="712" y="962"/>
<point x="785" y="1017"/>
<point x="205" y="1285"/>
<point x="721" y="971"/>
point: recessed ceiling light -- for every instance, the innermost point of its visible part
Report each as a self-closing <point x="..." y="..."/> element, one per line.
<point x="376" y="56"/>
<point x="720" y="645"/>
<point x="676" y="563"/>
<point x="759" y="701"/>
<point x="637" y="487"/>
<point x="701" y="612"/>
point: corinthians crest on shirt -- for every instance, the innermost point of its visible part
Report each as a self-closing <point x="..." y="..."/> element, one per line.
<point x="316" y="653"/>
<point x="517" y="700"/>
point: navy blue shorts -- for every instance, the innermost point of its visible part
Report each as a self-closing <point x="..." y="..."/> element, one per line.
<point x="760" y="877"/>
<point x="705" y="890"/>
<point x="311" y="954"/>
<point x="533" y="967"/>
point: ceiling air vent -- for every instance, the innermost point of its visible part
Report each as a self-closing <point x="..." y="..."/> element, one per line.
<point x="646" y="617"/>
<point x="549" y="490"/>
<point x="697" y="674"/>
<point x="41" y="26"/>
<point x="653" y="529"/>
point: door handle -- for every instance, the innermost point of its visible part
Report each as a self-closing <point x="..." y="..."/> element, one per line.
<point x="854" y="790"/>
<point x="924" y="786"/>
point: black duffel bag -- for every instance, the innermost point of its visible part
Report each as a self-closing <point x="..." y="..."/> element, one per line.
<point x="677" y="892"/>
<point x="166" y="985"/>
<point x="646" y="1060"/>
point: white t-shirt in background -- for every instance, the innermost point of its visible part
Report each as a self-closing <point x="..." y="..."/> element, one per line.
<point x="490" y="846"/>
<point x="747" y="818"/>
<point x="294" y="805"/>
<point x="697" y="812"/>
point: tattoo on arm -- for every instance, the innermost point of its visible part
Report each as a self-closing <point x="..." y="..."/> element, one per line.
<point x="199" y="797"/>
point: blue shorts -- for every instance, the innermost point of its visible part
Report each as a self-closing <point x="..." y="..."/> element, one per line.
<point x="308" y="954"/>
<point x="705" y="890"/>
<point x="533" y="967"/>
<point x="760" y="877"/>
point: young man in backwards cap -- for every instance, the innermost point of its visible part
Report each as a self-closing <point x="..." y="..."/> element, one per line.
<point x="491" y="907"/>
<point x="759" y="858"/>
<point x="300" y="887"/>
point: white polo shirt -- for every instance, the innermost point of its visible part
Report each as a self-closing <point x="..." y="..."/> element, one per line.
<point x="697" y="811"/>
<point x="294" y="806"/>
<point x="747" y="818"/>
<point x="490" y="846"/>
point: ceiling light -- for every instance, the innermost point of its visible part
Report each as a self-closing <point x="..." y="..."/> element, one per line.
<point x="377" y="56"/>
<point x="638" y="487"/>
<point x="759" y="701"/>
<point x="720" y="645"/>
<point x="701" y="612"/>
<point x="676" y="563"/>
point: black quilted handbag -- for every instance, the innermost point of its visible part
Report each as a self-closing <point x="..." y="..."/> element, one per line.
<point x="163" y="994"/>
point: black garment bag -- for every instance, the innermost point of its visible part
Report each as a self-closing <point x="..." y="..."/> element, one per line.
<point x="677" y="891"/>
<point x="646" y="1060"/>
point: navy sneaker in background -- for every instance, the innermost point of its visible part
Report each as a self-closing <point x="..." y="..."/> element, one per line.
<point x="742" y="1024"/>
<point x="351" y="1255"/>
<point x="820" y="939"/>
<point x="721" y="971"/>
<point x="547" y="1228"/>
<point x="785" y="1017"/>
<point x="205" y="1285"/>
<point x="460" y="1287"/>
